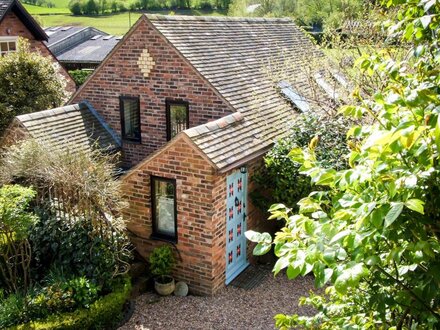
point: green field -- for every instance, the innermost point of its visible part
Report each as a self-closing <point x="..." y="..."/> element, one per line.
<point x="40" y="10"/>
<point x="115" y="24"/>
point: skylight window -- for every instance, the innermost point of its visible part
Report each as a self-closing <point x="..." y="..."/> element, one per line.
<point x="293" y="96"/>
<point x="326" y="87"/>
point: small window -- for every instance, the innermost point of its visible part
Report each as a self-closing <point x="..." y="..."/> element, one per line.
<point x="130" y="118"/>
<point x="177" y="117"/>
<point x="164" y="209"/>
<point x="8" y="45"/>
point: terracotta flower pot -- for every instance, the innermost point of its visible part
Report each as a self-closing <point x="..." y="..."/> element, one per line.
<point x="164" y="285"/>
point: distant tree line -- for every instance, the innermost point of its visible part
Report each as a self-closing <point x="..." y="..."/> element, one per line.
<point x="314" y="13"/>
<point x="96" y="7"/>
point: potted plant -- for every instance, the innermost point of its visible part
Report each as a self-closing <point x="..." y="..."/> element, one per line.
<point x="161" y="264"/>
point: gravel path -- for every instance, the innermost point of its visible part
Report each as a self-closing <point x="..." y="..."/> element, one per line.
<point x="230" y="308"/>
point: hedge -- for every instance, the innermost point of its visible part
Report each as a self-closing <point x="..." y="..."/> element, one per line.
<point x="102" y="314"/>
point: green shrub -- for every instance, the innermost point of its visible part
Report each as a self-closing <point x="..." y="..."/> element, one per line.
<point x="80" y="76"/>
<point x="57" y="243"/>
<point x="12" y="310"/>
<point x="104" y="313"/>
<point x="162" y="261"/>
<point x="280" y="181"/>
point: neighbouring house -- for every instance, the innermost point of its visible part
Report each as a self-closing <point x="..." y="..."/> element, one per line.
<point x="196" y="103"/>
<point x="16" y="22"/>
<point x="80" y="47"/>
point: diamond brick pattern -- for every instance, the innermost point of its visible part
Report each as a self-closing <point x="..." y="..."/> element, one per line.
<point x="146" y="63"/>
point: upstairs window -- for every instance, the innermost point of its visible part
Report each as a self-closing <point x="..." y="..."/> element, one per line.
<point x="130" y="118"/>
<point x="164" y="208"/>
<point x="177" y="117"/>
<point x="8" y="45"/>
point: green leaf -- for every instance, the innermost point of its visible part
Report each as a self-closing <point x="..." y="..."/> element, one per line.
<point x="350" y="277"/>
<point x="425" y="20"/>
<point x="292" y="272"/>
<point x="253" y="236"/>
<point x="415" y="205"/>
<point x="281" y="263"/>
<point x="261" y="249"/>
<point x="393" y="213"/>
<point x="340" y="236"/>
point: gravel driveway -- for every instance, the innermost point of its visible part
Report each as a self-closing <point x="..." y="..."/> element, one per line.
<point x="230" y="308"/>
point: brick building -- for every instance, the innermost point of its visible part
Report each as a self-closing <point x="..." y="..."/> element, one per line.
<point x="16" y="22"/>
<point x="196" y="102"/>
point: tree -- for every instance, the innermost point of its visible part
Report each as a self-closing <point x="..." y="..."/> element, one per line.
<point x="374" y="236"/>
<point x="29" y="82"/>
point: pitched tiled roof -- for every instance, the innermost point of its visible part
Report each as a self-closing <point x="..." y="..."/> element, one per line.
<point x="233" y="54"/>
<point x="76" y="126"/>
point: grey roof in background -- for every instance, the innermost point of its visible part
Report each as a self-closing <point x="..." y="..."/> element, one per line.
<point x="233" y="54"/>
<point x="93" y="50"/>
<point x="77" y="126"/>
<point x="58" y="33"/>
<point x="66" y="38"/>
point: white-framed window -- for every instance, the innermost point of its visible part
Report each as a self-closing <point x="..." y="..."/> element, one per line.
<point x="8" y="45"/>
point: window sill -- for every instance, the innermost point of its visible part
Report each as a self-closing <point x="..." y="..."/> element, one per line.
<point x="158" y="237"/>
<point x="129" y="141"/>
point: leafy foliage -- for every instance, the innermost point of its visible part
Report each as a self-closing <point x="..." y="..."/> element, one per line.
<point x="306" y="12"/>
<point x="103" y="313"/>
<point x="29" y="82"/>
<point x="162" y="261"/>
<point x="373" y="236"/>
<point x="73" y="249"/>
<point x="15" y="225"/>
<point x="80" y="76"/>
<point x="280" y="181"/>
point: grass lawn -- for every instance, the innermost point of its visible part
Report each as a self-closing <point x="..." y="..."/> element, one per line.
<point x="115" y="24"/>
<point x="38" y="10"/>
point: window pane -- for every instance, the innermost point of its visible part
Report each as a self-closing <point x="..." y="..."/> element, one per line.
<point x="4" y="46"/>
<point x="164" y="195"/>
<point x="178" y="114"/>
<point x="131" y="118"/>
<point x="12" y="46"/>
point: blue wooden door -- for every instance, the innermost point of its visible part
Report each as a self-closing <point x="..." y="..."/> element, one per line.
<point x="236" y="260"/>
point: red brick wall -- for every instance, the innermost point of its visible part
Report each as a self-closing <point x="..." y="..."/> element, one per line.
<point x="194" y="190"/>
<point x="17" y="28"/>
<point x="14" y="133"/>
<point x="171" y="77"/>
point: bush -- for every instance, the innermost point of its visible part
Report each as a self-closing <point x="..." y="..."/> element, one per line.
<point x="104" y="313"/>
<point x="80" y="76"/>
<point x="162" y="261"/>
<point x="29" y="82"/>
<point x="75" y="8"/>
<point x="15" y="225"/>
<point x="72" y="249"/>
<point x="280" y="180"/>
